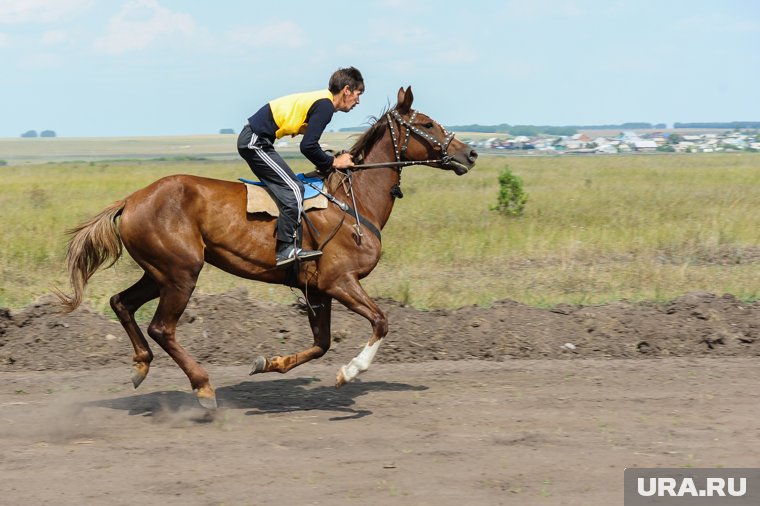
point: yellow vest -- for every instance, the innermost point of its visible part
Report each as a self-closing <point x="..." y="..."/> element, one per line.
<point x="289" y="112"/>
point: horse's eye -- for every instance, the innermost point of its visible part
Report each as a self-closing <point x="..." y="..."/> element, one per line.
<point x="428" y="125"/>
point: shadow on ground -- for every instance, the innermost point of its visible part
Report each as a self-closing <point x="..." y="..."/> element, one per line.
<point x="261" y="397"/>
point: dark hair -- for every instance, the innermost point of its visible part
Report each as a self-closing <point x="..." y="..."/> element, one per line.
<point x="348" y="76"/>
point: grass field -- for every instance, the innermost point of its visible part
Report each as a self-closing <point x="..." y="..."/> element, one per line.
<point x="596" y="229"/>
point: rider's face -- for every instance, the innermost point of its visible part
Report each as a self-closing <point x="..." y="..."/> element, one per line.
<point x="350" y="99"/>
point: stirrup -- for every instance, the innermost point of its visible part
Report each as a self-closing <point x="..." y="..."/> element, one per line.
<point x="291" y="254"/>
<point x="283" y="262"/>
<point x="303" y="254"/>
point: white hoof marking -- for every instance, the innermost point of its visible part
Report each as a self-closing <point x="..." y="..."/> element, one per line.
<point x="360" y="363"/>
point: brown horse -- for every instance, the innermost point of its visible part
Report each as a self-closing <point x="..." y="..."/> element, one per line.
<point x="175" y="225"/>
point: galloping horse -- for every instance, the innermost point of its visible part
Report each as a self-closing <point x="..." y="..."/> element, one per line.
<point x="176" y="224"/>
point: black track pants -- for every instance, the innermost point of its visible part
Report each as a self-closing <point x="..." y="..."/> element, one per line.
<point x="271" y="169"/>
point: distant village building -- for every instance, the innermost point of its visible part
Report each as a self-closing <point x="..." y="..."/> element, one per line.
<point x="645" y="146"/>
<point x="607" y="149"/>
<point x="624" y="142"/>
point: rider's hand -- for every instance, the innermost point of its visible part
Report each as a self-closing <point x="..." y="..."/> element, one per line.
<point x="343" y="161"/>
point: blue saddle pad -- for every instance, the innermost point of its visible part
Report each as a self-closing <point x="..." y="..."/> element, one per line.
<point x="309" y="191"/>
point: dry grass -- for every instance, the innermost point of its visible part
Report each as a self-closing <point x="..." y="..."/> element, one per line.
<point x="596" y="229"/>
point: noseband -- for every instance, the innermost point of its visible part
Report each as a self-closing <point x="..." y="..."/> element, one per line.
<point x="400" y="148"/>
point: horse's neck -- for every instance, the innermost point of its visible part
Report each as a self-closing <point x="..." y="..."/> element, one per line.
<point x="372" y="187"/>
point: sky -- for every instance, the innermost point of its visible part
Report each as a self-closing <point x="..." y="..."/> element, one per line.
<point x="90" y="68"/>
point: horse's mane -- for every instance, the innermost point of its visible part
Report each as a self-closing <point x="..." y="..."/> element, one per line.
<point x="368" y="139"/>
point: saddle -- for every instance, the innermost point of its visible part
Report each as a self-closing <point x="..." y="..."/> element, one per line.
<point x="260" y="199"/>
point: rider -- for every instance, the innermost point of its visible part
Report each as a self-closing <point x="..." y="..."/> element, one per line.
<point x="302" y="113"/>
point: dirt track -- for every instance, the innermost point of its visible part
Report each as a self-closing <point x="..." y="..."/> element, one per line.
<point x="469" y="406"/>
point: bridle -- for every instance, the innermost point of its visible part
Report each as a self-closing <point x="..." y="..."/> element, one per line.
<point x="396" y="121"/>
<point x="410" y="128"/>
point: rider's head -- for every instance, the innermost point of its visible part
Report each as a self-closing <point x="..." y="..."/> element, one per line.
<point x="346" y="85"/>
<point x="348" y="76"/>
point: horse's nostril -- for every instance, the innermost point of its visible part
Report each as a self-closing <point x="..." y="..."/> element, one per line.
<point x="472" y="156"/>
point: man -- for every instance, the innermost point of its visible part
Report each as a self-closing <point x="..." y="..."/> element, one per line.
<point x="301" y="113"/>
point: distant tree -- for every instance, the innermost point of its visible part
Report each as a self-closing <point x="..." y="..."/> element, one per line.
<point x="3" y="163"/>
<point x="47" y="133"/>
<point x="674" y="139"/>
<point x="526" y="130"/>
<point x="635" y="126"/>
<point x="226" y="131"/>
<point x="29" y="134"/>
<point x="730" y="125"/>
<point x="568" y="130"/>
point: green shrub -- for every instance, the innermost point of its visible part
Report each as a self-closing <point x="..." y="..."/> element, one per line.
<point x="512" y="198"/>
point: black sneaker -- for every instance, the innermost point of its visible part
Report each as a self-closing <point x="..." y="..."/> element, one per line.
<point x="290" y="254"/>
<point x="285" y="256"/>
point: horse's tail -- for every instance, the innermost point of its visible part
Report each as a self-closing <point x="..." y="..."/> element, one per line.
<point x="92" y="244"/>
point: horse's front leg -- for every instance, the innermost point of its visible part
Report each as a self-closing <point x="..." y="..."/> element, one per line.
<point x="319" y="320"/>
<point x="351" y="294"/>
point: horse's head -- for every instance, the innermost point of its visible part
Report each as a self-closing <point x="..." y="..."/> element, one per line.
<point x="416" y="136"/>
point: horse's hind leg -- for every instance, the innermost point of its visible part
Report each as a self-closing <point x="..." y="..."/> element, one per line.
<point x="125" y="304"/>
<point x="320" y="327"/>
<point x="173" y="300"/>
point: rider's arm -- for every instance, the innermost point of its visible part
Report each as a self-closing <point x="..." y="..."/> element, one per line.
<point x="318" y="117"/>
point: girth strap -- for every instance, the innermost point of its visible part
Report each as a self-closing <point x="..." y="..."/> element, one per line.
<point x="364" y="221"/>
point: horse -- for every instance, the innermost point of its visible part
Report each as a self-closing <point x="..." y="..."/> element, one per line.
<point x="175" y="225"/>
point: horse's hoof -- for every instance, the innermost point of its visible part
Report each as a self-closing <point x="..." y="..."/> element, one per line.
<point x="206" y="398"/>
<point x="208" y="403"/>
<point x="139" y="372"/>
<point x="340" y="379"/>
<point x="259" y="365"/>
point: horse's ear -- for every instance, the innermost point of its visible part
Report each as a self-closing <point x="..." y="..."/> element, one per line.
<point x="409" y="98"/>
<point x="405" y="99"/>
<point x="400" y="99"/>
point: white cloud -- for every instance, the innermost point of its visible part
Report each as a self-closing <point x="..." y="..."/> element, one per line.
<point x="458" y="56"/>
<point x="280" y="34"/>
<point x="718" y="23"/>
<point x="41" y="61"/>
<point x="408" y="35"/>
<point x="54" y="37"/>
<point x="407" y="6"/>
<point x="39" y="11"/>
<point x="139" y="24"/>
<point x="519" y="9"/>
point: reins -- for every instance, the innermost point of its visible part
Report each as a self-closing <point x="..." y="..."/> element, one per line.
<point x="405" y="163"/>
